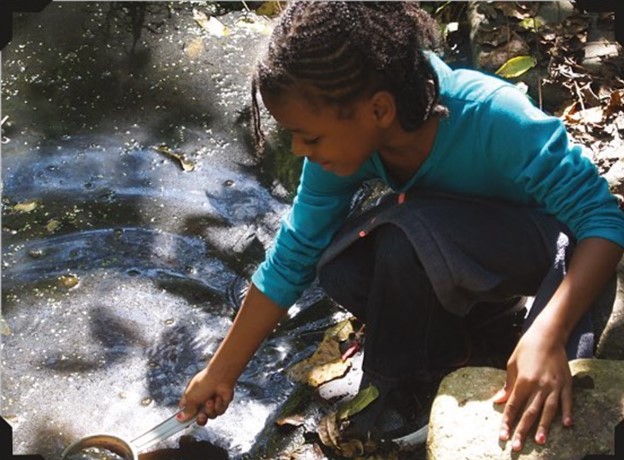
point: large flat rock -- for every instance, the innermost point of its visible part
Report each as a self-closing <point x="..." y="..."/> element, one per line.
<point x="465" y="422"/>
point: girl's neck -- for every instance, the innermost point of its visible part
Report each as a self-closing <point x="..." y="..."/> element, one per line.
<point x="404" y="152"/>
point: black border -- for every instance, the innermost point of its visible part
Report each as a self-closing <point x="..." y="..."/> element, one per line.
<point x="6" y="443"/>
<point x="8" y="7"/>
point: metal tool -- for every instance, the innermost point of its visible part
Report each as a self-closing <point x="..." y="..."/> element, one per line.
<point x="128" y="450"/>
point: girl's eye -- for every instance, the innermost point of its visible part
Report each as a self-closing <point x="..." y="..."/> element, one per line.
<point x="310" y="141"/>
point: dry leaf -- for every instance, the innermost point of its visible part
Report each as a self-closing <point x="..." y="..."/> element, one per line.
<point x="326" y="362"/>
<point x="270" y="9"/>
<point x="515" y="10"/>
<point x="324" y="365"/>
<point x="616" y="102"/>
<point x="594" y="116"/>
<point x="531" y="23"/>
<point x="194" y="48"/>
<point x="53" y="225"/>
<point x="340" y="331"/>
<point x="329" y="433"/>
<point x="359" y="403"/>
<point x="329" y="430"/>
<point x="69" y="281"/>
<point x="291" y="420"/>
<point x="4" y="327"/>
<point x="257" y="24"/>
<point x="185" y="164"/>
<point x="516" y="66"/>
<point x="26" y="206"/>
<point x="211" y="24"/>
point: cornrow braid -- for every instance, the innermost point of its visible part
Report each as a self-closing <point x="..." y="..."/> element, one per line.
<point x="342" y="50"/>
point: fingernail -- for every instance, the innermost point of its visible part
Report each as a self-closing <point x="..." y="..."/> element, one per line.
<point x="499" y="394"/>
<point x="180" y="416"/>
<point x="516" y="444"/>
<point x="540" y="438"/>
<point x="568" y="421"/>
<point x="504" y="435"/>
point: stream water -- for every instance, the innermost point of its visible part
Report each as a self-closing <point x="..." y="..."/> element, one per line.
<point x="121" y="271"/>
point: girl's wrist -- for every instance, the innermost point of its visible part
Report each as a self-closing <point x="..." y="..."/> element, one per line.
<point x="550" y="330"/>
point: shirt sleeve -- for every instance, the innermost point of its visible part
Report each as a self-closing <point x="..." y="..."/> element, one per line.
<point x="319" y="208"/>
<point x="534" y="151"/>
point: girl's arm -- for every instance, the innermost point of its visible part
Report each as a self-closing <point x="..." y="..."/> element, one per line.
<point x="538" y="374"/>
<point x="210" y="391"/>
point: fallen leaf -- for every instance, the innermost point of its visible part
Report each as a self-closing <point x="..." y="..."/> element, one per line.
<point x="211" y="24"/>
<point x="257" y="24"/>
<point x="329" y="431"/>
<point x="616" y="102"/>
<point x="516" y="66"/>
<point x="291" y="420"/>
<point x="593" y="116"/>
<point x="516" y="10"/>
<point x="185" y="164"/>
<point x="26" y="206"/>
<point x="270" y="9"/>
<point x="340" y="331"/>
<point x="324" y="365"/>
<point x="531" y="23"/>
<point x="69" y="281"/>
<point x="53" y="225"/>
<point x="4" y="327"/>
<point x="194" y="47"/>
<point x="359" y="402"/>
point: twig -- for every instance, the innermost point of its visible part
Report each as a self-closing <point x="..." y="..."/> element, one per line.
<point x="4" y="119"/>
<point x="578" y="94"/>
<point x="245" y="5"/>
<point x="538" y="68"/>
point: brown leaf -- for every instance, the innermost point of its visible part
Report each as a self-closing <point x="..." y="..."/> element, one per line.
<point x="194" y="48"/>
<point x="291" y="420"/>
<point x="26" y="206"/>
<point x="594" y="115"/>
<point x="185" y="164"/>
<point x="324" y="365"/>
<point x="616" y="102"/>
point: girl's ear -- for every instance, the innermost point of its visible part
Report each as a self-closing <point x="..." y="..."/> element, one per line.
<point x="383" y="108"/>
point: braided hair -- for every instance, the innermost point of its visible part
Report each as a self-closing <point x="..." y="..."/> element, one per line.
<point x="343" y="50"/>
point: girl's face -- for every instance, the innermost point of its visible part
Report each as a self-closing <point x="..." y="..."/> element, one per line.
<point x="340" y="145"/>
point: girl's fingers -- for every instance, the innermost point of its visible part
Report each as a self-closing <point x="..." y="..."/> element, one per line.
<point x="508" y="395"/>
<point x="548" y="414"/>
<point x="566" y="404"/>
<point x="530" y="414"/>
<point x="202" y="418"/>
<point x="501" y="396"/>
<point x="510" y="413"/>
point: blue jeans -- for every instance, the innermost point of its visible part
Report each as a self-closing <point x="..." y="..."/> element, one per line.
<point x="409" y="333"/>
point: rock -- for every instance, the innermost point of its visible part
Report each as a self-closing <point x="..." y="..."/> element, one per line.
<point x="465" y="423"/>
<point x="611" y="343"/>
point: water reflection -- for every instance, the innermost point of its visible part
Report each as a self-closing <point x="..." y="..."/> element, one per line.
<point x="121" y="272"/>
<point x="112" y="349"/>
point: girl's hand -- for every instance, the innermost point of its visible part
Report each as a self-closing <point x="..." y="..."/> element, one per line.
<point x="538" y="379"/>
<point x="205" y="395"/>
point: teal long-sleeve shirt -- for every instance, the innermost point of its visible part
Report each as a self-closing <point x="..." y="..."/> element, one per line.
<point x="494" y="143"/>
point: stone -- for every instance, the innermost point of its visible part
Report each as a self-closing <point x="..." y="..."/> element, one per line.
<point x="611" y="343"/>
<point x="465" y="422"/>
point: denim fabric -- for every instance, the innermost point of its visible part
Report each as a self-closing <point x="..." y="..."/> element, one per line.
<point x="417" y="270"/>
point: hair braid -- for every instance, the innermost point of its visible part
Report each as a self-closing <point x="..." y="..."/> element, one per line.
<point x="343" y="49"/>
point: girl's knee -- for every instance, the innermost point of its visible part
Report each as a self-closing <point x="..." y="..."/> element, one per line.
<point x="394" y="250"/>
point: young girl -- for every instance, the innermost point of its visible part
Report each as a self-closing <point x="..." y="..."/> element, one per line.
<point x="492" y="202"/>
